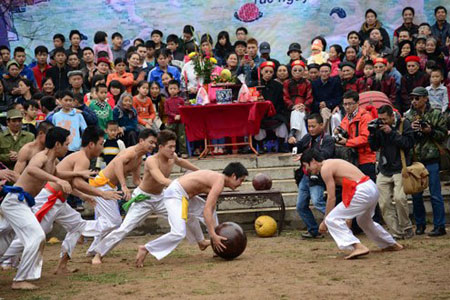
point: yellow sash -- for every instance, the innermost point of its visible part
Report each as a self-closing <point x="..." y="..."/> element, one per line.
<point x="101" y="180"/>
<point x="184" y="208"/>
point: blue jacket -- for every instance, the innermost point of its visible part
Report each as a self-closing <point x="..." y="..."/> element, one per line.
<point x="124" y="120"/>
<point x="247" y="71"/>
<point x="28" y="74"/>
<point x="330" y="92"/>
<point x="89" y="116"/>
<point x="156" y="73"/>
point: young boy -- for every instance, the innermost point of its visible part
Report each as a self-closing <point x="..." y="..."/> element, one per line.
<point x="363" y="83"/>
<point x="58" y="73"/>
<point x="89" y="116"/>
<point x="100" y="107"/>
<point x="40" y="70"/>
<point x="20" y="57"/>
<point x="150" y="57"/>
<point x="437" y="92"/>
<point x="112" y="145"/>
<point x="29" y="120"/>
<point x="188" y="39"/>
<point x="181" y="216"/>
<point x="177" y="56"/>
<point x="359" y="199"/>
<point x="172" y="110"/>
<point x="241" y="34"/>
<point x="116" y="49"/>
<point x="69" y="119"/>
<point x="157" y="36"/>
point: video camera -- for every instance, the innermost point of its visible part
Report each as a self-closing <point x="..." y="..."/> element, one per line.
<point x="374" y="125"/>
<point x="341" y="134"/>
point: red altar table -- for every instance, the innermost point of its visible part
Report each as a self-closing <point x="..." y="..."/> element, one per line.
<point x="215" y="121"/>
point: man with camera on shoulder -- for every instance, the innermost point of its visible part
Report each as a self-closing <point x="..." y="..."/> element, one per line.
<point x="312" y="187"/>
<point x="389" y="134"/>
<point x="430" y="130"/>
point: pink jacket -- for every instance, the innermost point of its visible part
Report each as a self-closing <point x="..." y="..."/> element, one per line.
<point x="103" y="47"/>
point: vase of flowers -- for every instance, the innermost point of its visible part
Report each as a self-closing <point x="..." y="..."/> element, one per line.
<point x="203" y="66"/>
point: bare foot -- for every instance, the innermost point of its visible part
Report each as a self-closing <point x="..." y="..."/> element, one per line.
<point x="62" y="268"/>
<point x="394" y="247"/>
<point x="360" y="250"/>
<point x="97" y="260"/>
<point x="23" y="285"/>
<point x="204" y="244"/>
<point x="140" y="257"/>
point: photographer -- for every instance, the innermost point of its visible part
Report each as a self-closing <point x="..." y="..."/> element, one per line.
<point x="312" y="187"/>
<point x="355" y="125"/>
<point x="386" y="137"/>
<point x="430" y="129"/>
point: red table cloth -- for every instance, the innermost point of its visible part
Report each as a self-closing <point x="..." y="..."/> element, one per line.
<point x="215" y="121"/>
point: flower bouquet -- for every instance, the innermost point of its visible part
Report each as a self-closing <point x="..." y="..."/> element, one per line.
<point x="203" y="66"/>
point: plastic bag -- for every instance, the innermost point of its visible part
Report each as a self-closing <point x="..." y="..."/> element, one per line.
<point x="244" y="94"/>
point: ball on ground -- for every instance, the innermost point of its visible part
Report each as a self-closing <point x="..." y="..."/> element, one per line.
<point x="236" y="240"/>
<point x="265" y="226"/>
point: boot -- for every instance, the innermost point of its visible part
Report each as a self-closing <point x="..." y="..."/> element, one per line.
<point x="438" y="231"/>
<point x="420" y="229"/>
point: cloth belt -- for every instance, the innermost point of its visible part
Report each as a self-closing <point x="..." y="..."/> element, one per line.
<point x="101" y="180"/>
<point x="137" y="199"/>
<point x="50" y="202"/>
<point x="349" y="189"/>
<point x="22" y="194"/>
<point x="184" y="208"/>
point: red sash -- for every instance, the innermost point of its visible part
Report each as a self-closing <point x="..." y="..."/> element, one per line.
<point x="349" y="189"/>
<point x="50" y="202"/>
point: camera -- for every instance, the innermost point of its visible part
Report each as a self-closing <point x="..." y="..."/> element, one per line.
<point x="423" y="124"/>
<point x="374" y="125"/>
<point x="341" y="134"/>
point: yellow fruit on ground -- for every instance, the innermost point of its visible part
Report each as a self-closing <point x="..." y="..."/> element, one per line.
<point x="265" y="226"/>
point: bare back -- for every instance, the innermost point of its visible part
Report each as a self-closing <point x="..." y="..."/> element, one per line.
<point x="339" y="169"/>
<point x="72" y="162"/>
<point x="130" y="161"/>
<point x="31" y="184"/>
<point x="201" y="181"/>
<point x="26" y="153"/>
<point x="155" y="167"/>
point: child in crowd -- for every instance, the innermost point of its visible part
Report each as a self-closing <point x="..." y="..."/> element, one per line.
<point x="116" y="49"/>
<point x="89" y="116"/>
<point x="40" y="70"/>
<point x="101" y="44"/>
<point x="73" y="61"/>
<point x="100" y="107"/>
<point x="158" y="102"/>
<point x="126" y="116"/>
<point x="115" y="90"/>
<point x="120" y="74"/>
<point x="437" y="92"/>
<point x="165" y="78"/>
<point x="29" y="120"/>
<point x="150" y="60"/>
<point x="172" y="109"/>
<point x="91" y="96"/>
<point x="362" y="83"/>
<point x="421" y="51"/>
<point x="177" y="56"/>
<point x="144" y="107"/>
<point x="68" y="118"/>
<point x="103" y="67"/>
<point x="112" y="145"/>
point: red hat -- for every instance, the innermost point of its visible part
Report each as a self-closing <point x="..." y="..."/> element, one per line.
<point x="104" y="60"/>
<point x="413" y="58"/>
<point x="298" y="63"/>
<point x="380" y="60"/>
<point x="269" y="63"/>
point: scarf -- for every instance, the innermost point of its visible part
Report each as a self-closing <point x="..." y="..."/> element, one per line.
<point x="365" y="27"/>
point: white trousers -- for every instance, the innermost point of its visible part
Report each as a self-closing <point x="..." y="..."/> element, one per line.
<point x="60" y="213"/>
<point x="281" y="132"/>
<point x="362" y="207"/>
<point x="179" y="228"/>
<point x="138" y="212"/>
<point x="29" y="232"/>
<point x="298" y="123"/>
<point x="6" y="234"/>
<point x="108" y="218"/>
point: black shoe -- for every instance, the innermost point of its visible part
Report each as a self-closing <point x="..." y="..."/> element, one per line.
<point x="437" y="231"/>
<point x="309" y="235"/>
<point x="420" y="229"/>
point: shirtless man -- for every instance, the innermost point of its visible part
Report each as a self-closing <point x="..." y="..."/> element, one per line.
<point x="147" y="197"/>
<point x="359" y="198"/>
<point x="49" y="210"/>
<point x="29" y="150"/>
<point x="126" y="162"/>
<point x="182" y="211"/>
<point x="16" y="205"/>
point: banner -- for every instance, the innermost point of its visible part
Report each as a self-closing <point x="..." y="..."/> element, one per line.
<point x="30" y="23"/>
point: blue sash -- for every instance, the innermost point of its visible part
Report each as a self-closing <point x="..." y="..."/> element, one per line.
<point x="22" y="194"/>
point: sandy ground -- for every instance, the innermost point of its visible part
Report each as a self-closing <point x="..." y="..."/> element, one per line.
<point x="284" y="267"/>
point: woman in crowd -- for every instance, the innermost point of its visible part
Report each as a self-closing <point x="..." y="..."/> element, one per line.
<point x="223" y="48"/>
<point x="406" y="48"/>
<point x="232" y="63"/>
<point x="48" y="87"/>
<point x="26" y="91"/>
<point x="134" y="68"/>
<point x="126" y="116"/>
<point x="335" y="56"/>
<point x="158" y="100"/>
<point x="369" y="52"/>
<point x="120" y="74"/>
<point x="282" y="74"/>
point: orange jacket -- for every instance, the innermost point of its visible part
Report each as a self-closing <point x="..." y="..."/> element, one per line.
<point x="360" y="142"/>
<point x="126" y="79"/>
<point x="145" y="110"/>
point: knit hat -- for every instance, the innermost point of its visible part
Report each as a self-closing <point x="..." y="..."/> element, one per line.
<point x="294" y="47"/>
<point x="413" y="58"/>
<point x="12" y="62"/>
<point x="297" y="63"/>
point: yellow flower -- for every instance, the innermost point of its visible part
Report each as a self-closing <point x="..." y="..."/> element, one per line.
<point x="213" y="60"/>
<point x="192" y="54"/>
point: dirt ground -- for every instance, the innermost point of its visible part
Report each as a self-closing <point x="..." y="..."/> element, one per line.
<point x="284" y="267"/>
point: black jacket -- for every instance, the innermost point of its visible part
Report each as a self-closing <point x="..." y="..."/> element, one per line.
<point x="390" y="144"/>
<point x="59" y="77"/>
<point x="273" y="92"/>
<point x="324" y="143"/>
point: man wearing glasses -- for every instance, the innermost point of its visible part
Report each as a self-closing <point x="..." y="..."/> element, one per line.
<point x="430" y="130"/>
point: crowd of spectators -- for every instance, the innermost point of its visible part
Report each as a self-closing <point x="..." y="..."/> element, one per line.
<point x="316" y="98"/>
